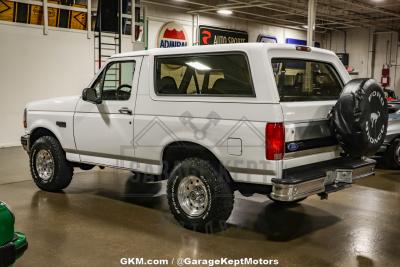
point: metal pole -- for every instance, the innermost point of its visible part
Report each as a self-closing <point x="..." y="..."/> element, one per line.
<point x="45" y="18"/>
<point x="119" y="26"/>
<point x="89" y="18"/>
<point x="99" y="23"/>
<point x="133" y="21"/>
<point x="145" y="26"/>
<point x="193" y="30"/>
<point x="312" y="11"/>
<point x="197" y="30"/>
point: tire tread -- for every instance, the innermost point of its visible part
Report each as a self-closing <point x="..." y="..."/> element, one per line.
<point x="64" y="170"/>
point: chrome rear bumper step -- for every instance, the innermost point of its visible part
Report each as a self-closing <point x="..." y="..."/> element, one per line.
<point x="319" y="178"/>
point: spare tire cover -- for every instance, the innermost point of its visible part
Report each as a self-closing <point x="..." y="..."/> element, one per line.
<point x="360" y="117"/>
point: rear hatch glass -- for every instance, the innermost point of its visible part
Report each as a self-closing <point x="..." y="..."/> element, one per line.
<point x="306" y="80"/>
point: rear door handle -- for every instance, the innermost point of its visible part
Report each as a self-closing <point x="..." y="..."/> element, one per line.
<point x="125" y="111"/>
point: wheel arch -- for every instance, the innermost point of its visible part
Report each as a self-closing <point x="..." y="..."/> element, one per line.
<point x="179" y="150"/>
<point x="40" y="132"/>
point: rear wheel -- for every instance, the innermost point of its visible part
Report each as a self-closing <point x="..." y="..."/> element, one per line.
<point x="198" y="196"/>
<point x="49" y="168"/>
<point x="392" y="155"/>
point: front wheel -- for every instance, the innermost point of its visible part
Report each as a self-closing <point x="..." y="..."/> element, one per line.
<point x="49" y="168"/>
<point x="198" y="196"/>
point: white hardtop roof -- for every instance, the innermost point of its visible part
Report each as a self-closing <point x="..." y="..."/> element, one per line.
<point x="246" y="47"/>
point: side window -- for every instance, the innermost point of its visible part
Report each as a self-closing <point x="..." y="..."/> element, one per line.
<point x="306" y="80"/>
<point x="204" y="75"/>
<point x="116" y="81"/>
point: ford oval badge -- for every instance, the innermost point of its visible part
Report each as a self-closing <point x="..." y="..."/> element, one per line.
<point x="292" y="146"/>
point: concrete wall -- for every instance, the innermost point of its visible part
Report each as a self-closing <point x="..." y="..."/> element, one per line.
<point x="386" y="53"/>
<point x="34" y="66"/>
<point x="367" y="61"/>
<point x="159" y="15"/>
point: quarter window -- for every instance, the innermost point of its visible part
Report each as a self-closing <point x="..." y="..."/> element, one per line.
<point x="220" y="74"/>
<point x="306" y="80"/>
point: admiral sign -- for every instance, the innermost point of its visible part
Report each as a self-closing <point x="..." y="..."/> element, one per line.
<point x="212" y="35"/>
<point x="172" y="34"/>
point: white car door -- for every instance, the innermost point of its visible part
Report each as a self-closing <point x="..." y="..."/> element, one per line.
<point x="104" y="132"/>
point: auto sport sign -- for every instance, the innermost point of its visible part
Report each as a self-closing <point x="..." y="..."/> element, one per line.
<point x="213" y="35"/>
<point x="172" y="34"/>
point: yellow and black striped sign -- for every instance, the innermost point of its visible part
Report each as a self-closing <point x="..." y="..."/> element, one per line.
<point x="33" y="14"/>
<point x="12" y="11"/>
<point x="77" y="19"/>
<point x="6" y="10"/>
<point x="36" y="14"/>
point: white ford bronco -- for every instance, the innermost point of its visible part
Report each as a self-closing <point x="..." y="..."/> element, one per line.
<point x="281" y="120"/>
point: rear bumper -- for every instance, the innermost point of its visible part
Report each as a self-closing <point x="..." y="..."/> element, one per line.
<point x="323" y="177"/>
<point x="25" y="142"/>
<point x="11" y="251"/>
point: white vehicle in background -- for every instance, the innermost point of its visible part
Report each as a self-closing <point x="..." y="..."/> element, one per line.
<point x="256" y="118"/>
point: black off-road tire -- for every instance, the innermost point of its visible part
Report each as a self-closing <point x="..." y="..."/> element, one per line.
<point x="359" y="118"/>
<point x="219" y="192"/>
<point x="63" y="170"/>
<point x="391" y="157"/>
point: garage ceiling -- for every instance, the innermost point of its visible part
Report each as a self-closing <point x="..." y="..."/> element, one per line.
<point x="331" y="14"/>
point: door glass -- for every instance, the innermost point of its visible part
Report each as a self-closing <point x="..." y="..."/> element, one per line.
<point x="117" y="84"/>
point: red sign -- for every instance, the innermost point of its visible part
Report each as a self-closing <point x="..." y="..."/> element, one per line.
<point x="172" y="34"/>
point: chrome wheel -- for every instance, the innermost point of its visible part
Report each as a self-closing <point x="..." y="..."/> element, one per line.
<point x="192" y="196"/>
<point x="44" y="164"/>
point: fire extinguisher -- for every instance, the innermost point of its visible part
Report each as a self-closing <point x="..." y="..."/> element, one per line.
<point x="385" y="79"/>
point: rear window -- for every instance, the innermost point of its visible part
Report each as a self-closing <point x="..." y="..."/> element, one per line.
<point x="306" y="80"/>
<point x="210" y="74"/>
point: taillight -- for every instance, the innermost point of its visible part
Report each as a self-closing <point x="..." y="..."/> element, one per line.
<point x="274" y="141"/>
<point x="25" y="121"/>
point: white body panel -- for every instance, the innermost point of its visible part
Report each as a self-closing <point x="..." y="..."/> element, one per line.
<point x="104" y="124"/>
<point x="232" y="128"/>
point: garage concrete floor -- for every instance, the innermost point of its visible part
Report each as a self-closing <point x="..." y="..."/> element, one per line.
<point x="105" y="215"/>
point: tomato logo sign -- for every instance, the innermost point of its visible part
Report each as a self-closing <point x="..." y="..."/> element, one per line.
<point x="206" y="35"/>
<point x="172" y="34"/>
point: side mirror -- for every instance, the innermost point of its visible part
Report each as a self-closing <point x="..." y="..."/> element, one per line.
<point x="90" y="95"/>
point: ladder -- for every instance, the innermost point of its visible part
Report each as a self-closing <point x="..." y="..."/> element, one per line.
<point x="107" y="44"/>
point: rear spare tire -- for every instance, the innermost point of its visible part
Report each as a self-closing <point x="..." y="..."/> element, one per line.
<point x="359" y="118"/>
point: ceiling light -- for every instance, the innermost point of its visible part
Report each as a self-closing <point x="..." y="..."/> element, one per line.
<point x="198" y="66"/>
<point x="225" y="12"/>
